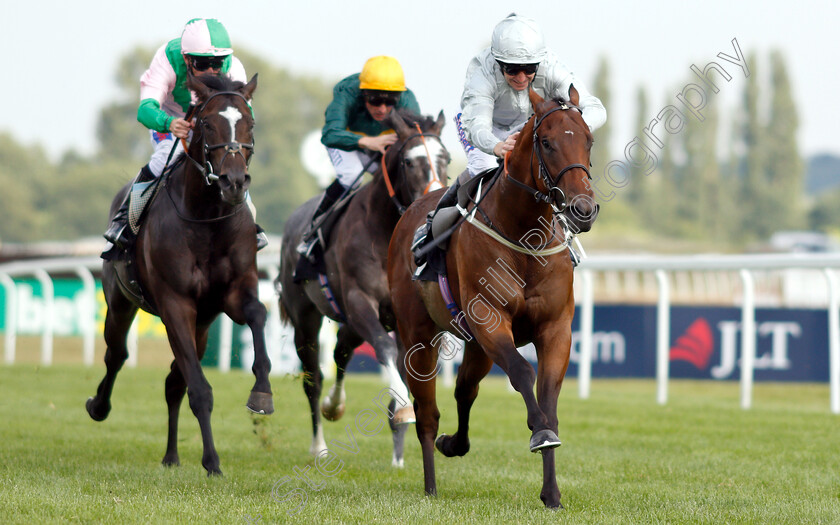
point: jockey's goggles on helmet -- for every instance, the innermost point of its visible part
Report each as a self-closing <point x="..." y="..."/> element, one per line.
<point x="515" y="69"/>
<point x="205" y="63"/>
<point x="378" y="98"/>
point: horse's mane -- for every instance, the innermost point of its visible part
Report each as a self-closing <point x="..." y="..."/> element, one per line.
<point x="220" y="82"/>
<point x="412" y="118"/>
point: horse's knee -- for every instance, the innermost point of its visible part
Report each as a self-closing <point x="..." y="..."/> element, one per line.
<point x="116" y="354"/>
<point x="522" y="373"/>
<point x="255" y="313"/>
<point x="201" y="399"/>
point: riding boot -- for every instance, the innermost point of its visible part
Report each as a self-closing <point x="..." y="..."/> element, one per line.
<point x="333" y="192"/>
<point x="116" y="233"/>
<point x="423" y="235"/>
<point x="262" y="239"/>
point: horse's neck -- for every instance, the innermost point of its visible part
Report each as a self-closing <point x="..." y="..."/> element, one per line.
<point x="513" y="209"/>
<point x="198" y="200"/>
<point x="380" y="202"/>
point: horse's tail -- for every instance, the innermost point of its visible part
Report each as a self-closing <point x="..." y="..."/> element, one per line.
<point x="284" y="315"/>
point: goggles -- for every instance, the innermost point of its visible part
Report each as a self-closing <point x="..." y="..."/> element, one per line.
<point x="379" y="98"/>
<point x="205" y="63"/>
<point x="515" y="69"/>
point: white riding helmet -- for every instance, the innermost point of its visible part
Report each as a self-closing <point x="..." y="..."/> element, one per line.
<point x="518" y="40"/>
<point x="205" y="37"/>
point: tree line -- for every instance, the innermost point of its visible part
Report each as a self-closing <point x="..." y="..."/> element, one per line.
<point x="735" y="191"/>
<point x="70" y="199"/>
<point x="731" y="181"/>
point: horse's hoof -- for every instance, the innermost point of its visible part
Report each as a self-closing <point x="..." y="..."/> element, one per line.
<point x="95" y="414"/>
<point x="214" y="472"/>
<point x="544" y="439"/>
<point x="260" y="403"/>
<point x="446" y="446"/>
<point x="331" y="412"/>
<point x="439" y="442"/>
<point x="169" y="461"/>
<point x="404" y="416"/>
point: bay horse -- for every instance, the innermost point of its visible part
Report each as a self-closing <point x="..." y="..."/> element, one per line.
<point x="355" y="260"/>
<point x="195" y="257"/>
<point x="510" y="276"/>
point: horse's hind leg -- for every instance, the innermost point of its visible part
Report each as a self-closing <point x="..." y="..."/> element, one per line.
<point x="118" y="320"/>
<point x="333" y="404"/>
<point x="473" y="369"/>
<point x="307" y="326"/>
<point x="176" y="387"/>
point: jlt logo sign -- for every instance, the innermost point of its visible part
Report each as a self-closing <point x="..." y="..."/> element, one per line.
<point x="778" y="333"/>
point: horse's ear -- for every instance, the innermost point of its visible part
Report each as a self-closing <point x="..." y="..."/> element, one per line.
<point x="248" y="89"/>
<point x="574" y="97"/>
<point x="194" y="84"/>
<point x="435" y="130"/>
<point x="402" y="129"/>
<point x="536" y="100"/>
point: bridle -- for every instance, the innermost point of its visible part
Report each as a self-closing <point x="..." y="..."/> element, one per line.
<point x="206" y="170"/>
<point x="553" y="185"/>
<point x="232" y="147"/>
<point x="391" y="193"/>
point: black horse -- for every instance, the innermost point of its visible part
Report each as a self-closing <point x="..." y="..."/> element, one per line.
<point x="195" y="257"/>
<point x="355" y="260"/>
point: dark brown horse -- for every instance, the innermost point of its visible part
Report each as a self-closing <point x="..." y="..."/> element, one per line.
<point x="355" y="260"/>
<point x="512" y="285"/>
<point x="195" y="257"/>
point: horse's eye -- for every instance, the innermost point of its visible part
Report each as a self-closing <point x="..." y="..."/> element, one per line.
<point x="408" y="163"/>
<point x="546" y="144"/>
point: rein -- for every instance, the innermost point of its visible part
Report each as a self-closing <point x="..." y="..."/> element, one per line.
<point x="391" y="193"/>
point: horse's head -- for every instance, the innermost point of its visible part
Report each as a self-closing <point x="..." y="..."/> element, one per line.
<point x="417" y="162"/>
<point x="555" y="151"/>
<point x="223" y="136"/>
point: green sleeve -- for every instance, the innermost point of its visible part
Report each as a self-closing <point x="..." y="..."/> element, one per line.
<point x="150" y="115"/>
<point x="409" y="101"/>
<point x="337" y="119"/>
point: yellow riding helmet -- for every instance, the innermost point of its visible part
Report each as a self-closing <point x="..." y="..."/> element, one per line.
<point x="382" y="73"/>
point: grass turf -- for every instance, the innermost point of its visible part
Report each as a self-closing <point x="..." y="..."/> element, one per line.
<point x="624" y="459"/>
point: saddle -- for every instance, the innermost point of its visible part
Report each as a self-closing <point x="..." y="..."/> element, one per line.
<point x="309" y="268"/>
<point x="142" y="193"/>
<point x="444" y="223"/>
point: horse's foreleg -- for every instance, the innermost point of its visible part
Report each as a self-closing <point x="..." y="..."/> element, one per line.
<point x="362" y="315"/>
<point x="522" y="377"/>
<point x="260" y="401"/>
<point x="179" y="320"/>
<point x="553" y="359"/>
<point x="117" y="323"/>
<point x="421" y="368"/>
<point x="473" y="369"/>
<point x="176" y="387"/>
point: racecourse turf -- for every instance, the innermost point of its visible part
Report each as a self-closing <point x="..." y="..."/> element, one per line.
<point x="624" y="459"/>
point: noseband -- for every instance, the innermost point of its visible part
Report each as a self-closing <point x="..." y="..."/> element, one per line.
<point x="232" y="147"/>
<point x="553" y="185"/>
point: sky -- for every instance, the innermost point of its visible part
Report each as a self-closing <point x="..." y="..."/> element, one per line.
<point x="61" y="57"/>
